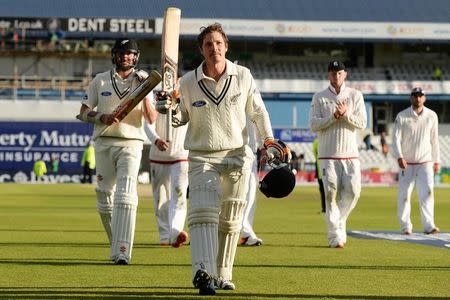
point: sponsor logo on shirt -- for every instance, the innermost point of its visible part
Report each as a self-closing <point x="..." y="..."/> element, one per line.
<point x="107" y="93"/>
<point x="199" y="103"/>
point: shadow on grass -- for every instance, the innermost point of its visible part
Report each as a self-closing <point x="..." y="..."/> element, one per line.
<point x="77" y="262"/>
<point x="102" y="262"/>
<point x="347" y="267"/>
<point x="64" y="230"/>
<point x="158" y="292"/>
<point x="74" y="245"/>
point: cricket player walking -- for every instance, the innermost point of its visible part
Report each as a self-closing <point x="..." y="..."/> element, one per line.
<point x="336" y="114"/>
<point x="216" y="99"/>
<point x="169" y="176"/>
<point x="416" y="147"/>
<point x="118" y="149"/>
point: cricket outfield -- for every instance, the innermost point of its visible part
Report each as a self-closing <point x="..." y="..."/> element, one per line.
<point x="52" y="246"/>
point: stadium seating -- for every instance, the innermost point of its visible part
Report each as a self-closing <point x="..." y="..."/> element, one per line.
<point x="36" y="86"/>
<point x="316" y="70"/>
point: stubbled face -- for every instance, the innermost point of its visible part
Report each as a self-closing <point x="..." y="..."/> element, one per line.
<point x="418" y="101"/>
<point x="214" y="48"/>
<point x="337" y="78"/>
<point x="125" y="60"/>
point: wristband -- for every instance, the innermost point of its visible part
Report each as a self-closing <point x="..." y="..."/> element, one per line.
<point x="268" y="141"/>
<point x="90" y="116"/>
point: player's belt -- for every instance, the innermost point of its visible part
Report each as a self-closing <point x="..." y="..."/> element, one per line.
<point x="167" y="162"/>
<point x="417" y="163"/>
<point x="340" y="158"/>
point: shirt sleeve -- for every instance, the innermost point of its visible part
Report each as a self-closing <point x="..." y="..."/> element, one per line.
<point x="397" y="138"/>
<point x="90" y="99"/>
<point x="317" y="120"/>
<point x="435" y="152"/>
<point x="257" y="111"/>
<point x="358" y="117"/>
<point x="150" y="131"/>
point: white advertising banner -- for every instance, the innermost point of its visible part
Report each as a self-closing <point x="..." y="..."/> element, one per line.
<point x="366" y="87"/>
<point x="316" y="29"/>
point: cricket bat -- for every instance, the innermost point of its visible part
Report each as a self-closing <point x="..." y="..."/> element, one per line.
<point x="169" y="57"/>
<point x="136" y="96"/>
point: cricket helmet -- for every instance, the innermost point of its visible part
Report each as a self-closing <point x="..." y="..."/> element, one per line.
<point x="124" y="45"/>
<point x="278" y="182"/>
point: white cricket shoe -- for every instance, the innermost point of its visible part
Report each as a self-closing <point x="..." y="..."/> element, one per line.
<point x="121" y="260"/>
<point x="223" y="284"/>
<point x="435" y="230"/>
<point x="250" y="241"/>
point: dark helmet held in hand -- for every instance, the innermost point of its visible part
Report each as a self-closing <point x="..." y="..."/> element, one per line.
<point x="278" y="183"/>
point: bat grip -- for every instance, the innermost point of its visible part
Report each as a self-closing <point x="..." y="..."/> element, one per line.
<point x="169" y="125"/>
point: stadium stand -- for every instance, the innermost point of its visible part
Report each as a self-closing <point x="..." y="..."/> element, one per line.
<point x="45" y="72"/>
<point x="39" y="86"/>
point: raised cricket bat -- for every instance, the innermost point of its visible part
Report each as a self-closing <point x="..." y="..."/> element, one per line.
<point x="169" y="57"/>
<point x="136" y="96"/>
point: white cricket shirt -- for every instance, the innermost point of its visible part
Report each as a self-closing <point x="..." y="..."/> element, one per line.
<point x="415" y="137"/>
<point x="337" y="137"/>
<point x="106" y="91"/>
<point x="216" y="111"/>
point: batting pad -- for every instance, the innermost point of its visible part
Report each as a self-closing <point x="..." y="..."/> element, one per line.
<point x="230" y="223"/>
<point x="124" y="217"/>
<point x="105" y="208"/>
<point x="203" y="228"/>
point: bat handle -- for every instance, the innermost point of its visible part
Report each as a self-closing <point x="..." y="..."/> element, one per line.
<point x="169" y="125"/>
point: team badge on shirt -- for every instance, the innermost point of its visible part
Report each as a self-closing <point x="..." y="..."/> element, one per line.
<point x="234" y="98"/>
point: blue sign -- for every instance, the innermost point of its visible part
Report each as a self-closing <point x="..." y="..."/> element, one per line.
<point x="301" y="135"/>
<point x="23" y="143"/>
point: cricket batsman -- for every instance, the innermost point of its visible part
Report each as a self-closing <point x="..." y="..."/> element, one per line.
<point x="118" y="148"/>
<point x="216" y="99"/>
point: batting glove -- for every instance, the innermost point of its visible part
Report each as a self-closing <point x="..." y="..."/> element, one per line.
<point x="276" y="152"/>
<point x="166" y="101"/>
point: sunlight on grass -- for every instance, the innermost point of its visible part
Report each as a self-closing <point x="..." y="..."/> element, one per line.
<point x="52" y="246"/>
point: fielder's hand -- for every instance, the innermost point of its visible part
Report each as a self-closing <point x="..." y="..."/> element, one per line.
<point x="436" y="168"/>
<point x="402" y="163"/>
<point x="276" y="152"/>
<point x="161" y="144"/>
<point x="165" y="101"/>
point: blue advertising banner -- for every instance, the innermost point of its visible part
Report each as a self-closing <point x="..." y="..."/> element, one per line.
<point x="23" y="143"/>
<point x="301" y="135"/>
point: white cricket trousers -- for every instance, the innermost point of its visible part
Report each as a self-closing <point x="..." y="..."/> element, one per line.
<point x="217" y="189"/>
<point x="342" y="184"/>
<point x="169" y="185"/>
<point x="117" y="171"/>
<point x="420" y="175"/>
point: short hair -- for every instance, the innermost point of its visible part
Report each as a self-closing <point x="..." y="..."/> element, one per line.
<point x="211" y="28"/>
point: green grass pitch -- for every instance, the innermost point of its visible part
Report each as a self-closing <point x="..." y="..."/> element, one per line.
<point x="52" y="246"/>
